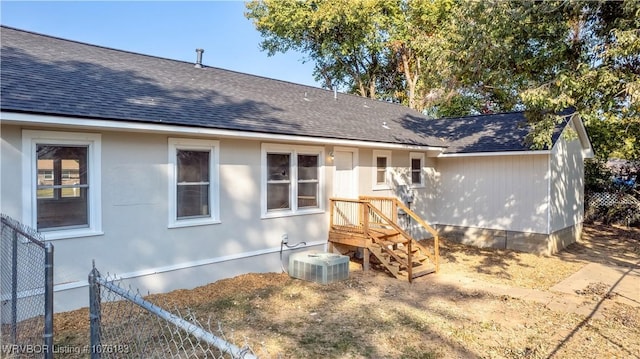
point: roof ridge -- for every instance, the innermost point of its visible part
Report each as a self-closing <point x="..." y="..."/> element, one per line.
<point x="204" y="67"/>
<point x="238" y="101"/>
<point x="478" y="115"/>
<point x="89" y="44"/>
<point x="355" y="96"/>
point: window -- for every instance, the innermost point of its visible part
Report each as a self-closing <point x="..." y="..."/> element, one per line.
<point x="193" y="184"/>
<point x="417" y="163"/>
<point x="381" y="169"/>
<point x="62" y="199"/>
<point x="292" y="178"/>
<point x="308" y="181"/>
<point x="278" y="181"/>
<point x="193" y="189"/>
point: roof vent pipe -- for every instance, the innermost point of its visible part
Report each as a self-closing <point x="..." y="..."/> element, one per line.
<point x="199" y="58"/>
<point x="335" y="92"/>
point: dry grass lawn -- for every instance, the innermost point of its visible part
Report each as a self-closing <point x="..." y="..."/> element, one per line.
<point x="371" y="315"/>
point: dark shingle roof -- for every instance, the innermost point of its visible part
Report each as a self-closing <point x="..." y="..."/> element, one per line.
<point x="47" y="75"/>
<point x="501" y="132"/>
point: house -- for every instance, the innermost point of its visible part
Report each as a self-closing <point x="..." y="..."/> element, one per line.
<point x="172" y="175"/>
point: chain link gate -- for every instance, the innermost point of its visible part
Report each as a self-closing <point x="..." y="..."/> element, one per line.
<point x="26" y="292"/>
<point x="124" y="324"/>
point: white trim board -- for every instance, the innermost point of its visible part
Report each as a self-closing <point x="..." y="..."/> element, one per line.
<point x="186" y="265"/>
<point x="93" y="141"/>
<point x="490" y="154"/>
<point x="119" y="125"/>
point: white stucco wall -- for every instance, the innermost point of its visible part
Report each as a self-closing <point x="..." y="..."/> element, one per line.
<point x="495" y="192"/>
<point x="137" y="242"/>
<point x="10" y="173"/>
<point x="567" y="181"/>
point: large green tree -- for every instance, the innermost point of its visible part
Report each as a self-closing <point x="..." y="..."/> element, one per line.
<point x="459" y="57"/>
<point x="544" y="56"/>
<point x="598" y="74"/>
<point x="345" y="39"/>
<point x="386" y="49"/>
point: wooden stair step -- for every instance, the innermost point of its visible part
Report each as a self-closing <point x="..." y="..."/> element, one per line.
<point x="391" y="242"/>
<point x="424" y="269"/>
<point x="414" y="258"/>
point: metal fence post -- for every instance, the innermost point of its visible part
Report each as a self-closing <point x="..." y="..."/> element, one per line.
<point x="94" y="312"/>
<point x="31" y="268"/>
<point x="14" y="288"/>
<point x="48" y="301"/>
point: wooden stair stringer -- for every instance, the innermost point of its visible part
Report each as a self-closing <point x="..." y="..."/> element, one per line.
<point x="378" y="251"/>
<point x="396" y="260"/>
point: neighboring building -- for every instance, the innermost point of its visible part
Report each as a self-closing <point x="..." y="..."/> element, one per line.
<point x="175" y="176"/>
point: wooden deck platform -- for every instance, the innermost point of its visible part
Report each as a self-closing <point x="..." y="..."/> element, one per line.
<point x="371" y="223"/>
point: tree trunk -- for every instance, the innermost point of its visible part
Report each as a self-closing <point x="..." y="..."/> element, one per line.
<point x="411" y="79"/>
<point x="372" y="87"/>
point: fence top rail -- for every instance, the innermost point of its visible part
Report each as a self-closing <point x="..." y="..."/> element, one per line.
<point x="188" y="327"/>
<point x="27" y="232"/>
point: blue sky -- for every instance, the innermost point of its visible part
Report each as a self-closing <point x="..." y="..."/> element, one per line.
<point x="168" y="29"/>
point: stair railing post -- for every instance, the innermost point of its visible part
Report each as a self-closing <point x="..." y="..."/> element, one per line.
<point x="365" y="216"/>
<point x="394" y="210"/>
<point x="409" y="262"/>
<point x="365" y="228"/>
<point x="436" y="250"/>
<point x="332" y="204"/>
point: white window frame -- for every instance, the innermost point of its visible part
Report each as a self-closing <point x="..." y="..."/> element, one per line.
<point x="293" y="151"/>
<point x="387" y="174"/>
<point x="420" y="156"/>
<point x="30" y="140"/>
<point x="213" y="147"/>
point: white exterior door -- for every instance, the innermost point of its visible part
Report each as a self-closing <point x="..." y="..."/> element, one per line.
<point x="345" y="180"/>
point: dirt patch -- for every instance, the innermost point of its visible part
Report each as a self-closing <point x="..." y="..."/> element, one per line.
<point x="372" y="315"/>
<point x="596" y="290"/>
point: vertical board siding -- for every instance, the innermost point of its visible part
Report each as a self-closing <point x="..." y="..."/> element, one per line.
<point x="497" y="192"/>
<point x="567" y="182"/>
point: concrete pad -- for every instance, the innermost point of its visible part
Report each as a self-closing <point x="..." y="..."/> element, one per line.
<point x="623" y="281"/>
<point x="568" y="302"/>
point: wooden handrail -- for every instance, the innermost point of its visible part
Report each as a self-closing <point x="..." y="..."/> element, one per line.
<point x="419" y="220"/>
<point x="350" y="200"/>
<point x="367" y="207"/>
<point x="400" y="231"/>
<point x="425" y="225"/>
<point x="389" y="221"/>
<point x="413" y="215"/>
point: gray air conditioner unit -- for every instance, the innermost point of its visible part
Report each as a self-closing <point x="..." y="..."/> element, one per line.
<point x="320" y="267"/>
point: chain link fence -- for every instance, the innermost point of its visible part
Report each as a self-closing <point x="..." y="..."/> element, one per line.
<point x="26" y="292"/>
<point x="124" y="324"/>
